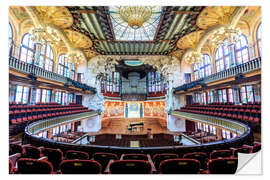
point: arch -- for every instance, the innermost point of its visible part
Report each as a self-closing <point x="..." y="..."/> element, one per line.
<point x="259" y="39"/>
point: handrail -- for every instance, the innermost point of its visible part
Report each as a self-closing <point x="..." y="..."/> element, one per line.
<point x="217" y="121"/>
<point x="249" y="66"/>
<point x="245" y="138"/>
<point x="36" y="127"/>
<point x="34" y="71"/>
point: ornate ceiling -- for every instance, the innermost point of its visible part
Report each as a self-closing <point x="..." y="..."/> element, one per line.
<point x="99" y="30"/>
<point x="96" y="23"/>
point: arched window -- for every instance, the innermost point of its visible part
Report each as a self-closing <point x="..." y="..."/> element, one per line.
<point x="49" y="58"/>
<point x="27" y="49"/>
<point x="72" y="70"/>
<point x="203" y="69"/>
<point x="223" y="58"/>
<point x="62" y="68"/>
<point x="196" y="71"/>
<point x="10" y="35"/>
<point x="241" y="50"/>
<point x="259" y="39"/>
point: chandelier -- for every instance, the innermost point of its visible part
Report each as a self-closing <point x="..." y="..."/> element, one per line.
<point x="135" y="16"/>
<point x="193" y="57"/>
<point x="230" y="35"/>
<point x="74" y="57"/>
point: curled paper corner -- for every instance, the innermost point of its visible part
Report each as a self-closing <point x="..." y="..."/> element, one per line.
<point x="249" y="164"/>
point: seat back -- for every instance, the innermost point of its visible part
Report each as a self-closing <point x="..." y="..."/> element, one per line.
<point x="180" y="166"/>
<point x="15" y="148"/>
<point x="80" y="167"/>
<point x="104" y="158"/>
<point x="130" y="167"/>
<point x="200" y="156"/>
<point x="55" y="156"/>
<point x="32" y="152"/>
<point x="220" y="153"/>
<point x="11" y="167"/>
<point x="76" y="155"/>
<point x="256" y="148"/>
<point x="34" y="166"/>
<point x="135" y="157"/>
<point x="222" y="166"/>
<point x="158" y="158"/>
<point x="243" y="149"/>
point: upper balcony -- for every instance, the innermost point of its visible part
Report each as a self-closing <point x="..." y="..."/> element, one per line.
<point x="33" y="72"/>
<point x="237" y="71"/>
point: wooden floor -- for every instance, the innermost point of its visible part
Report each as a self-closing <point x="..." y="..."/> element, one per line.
<point x="119" y="126"/>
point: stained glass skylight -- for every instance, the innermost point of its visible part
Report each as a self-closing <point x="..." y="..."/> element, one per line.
<point x="123" y="32"/>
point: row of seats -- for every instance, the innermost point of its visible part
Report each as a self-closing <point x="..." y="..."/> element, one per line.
<point x="19" y="117"/>
<point x="31" y="160"/>
<point x="239" y="113"/>
<point x="255" y="105"/>
<point x="144" y="141"/>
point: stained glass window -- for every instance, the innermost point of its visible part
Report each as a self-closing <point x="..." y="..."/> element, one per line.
<point x="241" y="50"/>
<point x="223" y="58"/>
<point x="124" y="32"/>
<point x="22" y="94"/>
<point x="72" y="70"/>
<point x="27" y="49"/>
<point x="10" y="35"/>
<point x="230" y="95"/>
<point x="203" y="69"/>
<point x="247" y="94"/>
<point x="46" y="96"/>
<point x="38" y="95"/>
<point x="259" y="39"/>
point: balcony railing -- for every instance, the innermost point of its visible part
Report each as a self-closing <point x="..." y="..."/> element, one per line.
<point x="35" y="71"/>
<point x="231" y="72"/>
<point x="234" y="126"/>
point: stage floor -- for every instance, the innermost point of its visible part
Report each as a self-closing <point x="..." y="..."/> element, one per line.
<point x="120" y="126"/>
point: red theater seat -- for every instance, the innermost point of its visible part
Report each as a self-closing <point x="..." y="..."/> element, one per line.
<point x="76" y="155"/>
<point x="130" y="167"/>
<point x="34" y="166"/>
<point x="55" y="156"/>
<point x="80" y="167"/>
<point x="180" y="166"/>
<point x="32" y="152"/>
<point x="222" y="166"/>
<point x="104" y="158"/>
<point x="221" y="153"/>
<point x="135" y="157"/>
<point x="158" y="158"/>
<point x="200" y="156"/>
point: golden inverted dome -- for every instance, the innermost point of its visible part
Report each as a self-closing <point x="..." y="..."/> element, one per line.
<point x="57" y="15"/>
<point x="135" y="16"/>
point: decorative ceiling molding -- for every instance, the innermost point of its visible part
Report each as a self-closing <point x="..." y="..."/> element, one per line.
<point x="190" y="40"/>
<point x="78" y="40"/>
<point x="213" y="15"/>
<point x="57" y="15"/>
<point x="175" y="22"/>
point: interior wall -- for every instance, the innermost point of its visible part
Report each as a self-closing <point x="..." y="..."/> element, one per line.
<point x="92" y="124"/>
<point x="176" y="124"/>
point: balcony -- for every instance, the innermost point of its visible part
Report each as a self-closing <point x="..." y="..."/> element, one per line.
<point x="231" y="72"/>
<point x="35" y="71"/>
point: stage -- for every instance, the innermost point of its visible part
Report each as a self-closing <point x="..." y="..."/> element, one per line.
<point x="122" y="126"/>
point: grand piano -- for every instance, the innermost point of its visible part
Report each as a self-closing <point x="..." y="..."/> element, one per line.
<point x="136" y="124"/>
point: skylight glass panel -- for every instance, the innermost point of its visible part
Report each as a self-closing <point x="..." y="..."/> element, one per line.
<point x="124" y="32"/>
